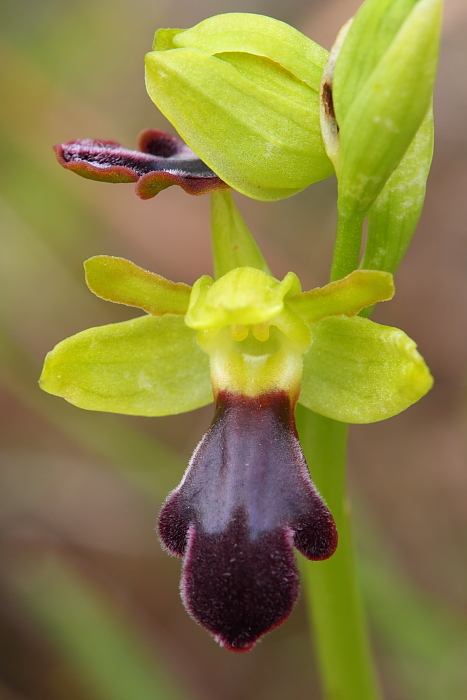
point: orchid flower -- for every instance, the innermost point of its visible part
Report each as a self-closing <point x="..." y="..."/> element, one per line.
<point x="255" y="346"/>
<point x="268" y="112"/>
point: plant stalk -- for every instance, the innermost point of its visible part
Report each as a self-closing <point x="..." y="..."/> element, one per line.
<point x="347" y="245"/>
<point x="331" y="587"/>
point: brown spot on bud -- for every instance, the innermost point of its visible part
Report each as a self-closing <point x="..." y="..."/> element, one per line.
<point x="327" y="100"/>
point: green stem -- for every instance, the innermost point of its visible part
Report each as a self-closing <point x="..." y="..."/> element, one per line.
<point x="331" y="587"/>
<point x="347" y="245"/>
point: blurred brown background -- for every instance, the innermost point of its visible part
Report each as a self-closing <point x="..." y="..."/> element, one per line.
<point x="89" y="605"/>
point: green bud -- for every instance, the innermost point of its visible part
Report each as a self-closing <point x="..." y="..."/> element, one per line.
<point x="382" y="86"/>
<point x="374" y="28"/>
<point x="242" y="90"/>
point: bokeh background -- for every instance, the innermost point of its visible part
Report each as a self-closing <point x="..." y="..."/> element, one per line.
<point x="89" y="604"/>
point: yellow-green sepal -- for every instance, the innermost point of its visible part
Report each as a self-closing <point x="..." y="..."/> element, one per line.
<point x="244" y="296"/>
<point x="148" y="366"/>
<point x="348" y="296"/>
<point x="123" y="282"/>
<point x="358" y="371"/>
<point x="163" y="39"/>
<point x="246" y="114"/>
<point x="259" y="35"/>
<point x="259" y="142"/>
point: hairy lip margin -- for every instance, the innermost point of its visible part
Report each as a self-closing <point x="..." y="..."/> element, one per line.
<point x="244" y="502"/>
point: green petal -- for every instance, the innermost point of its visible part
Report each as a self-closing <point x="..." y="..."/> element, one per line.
<point x="232" y="243"/>
<point x="394" y="215"/>
<point x="121" y="281"/>
<point x="260" y="142"/>
<point x="347" y="296"/>
<point x="360" y="372"/>
<point x="146" y="367"/>
<point x="259" y="35"/>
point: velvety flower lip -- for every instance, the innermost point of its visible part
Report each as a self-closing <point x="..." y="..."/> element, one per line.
<point x="161" y="160"/>
<point x="255" y="344"/>
<point x="244" y="501"/>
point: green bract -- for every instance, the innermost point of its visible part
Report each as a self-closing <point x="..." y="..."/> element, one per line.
<point x="246" y="333"/>
<point x="394" y="215"/>
<point x="243" y="91"/>
<point x="381" y="81"/>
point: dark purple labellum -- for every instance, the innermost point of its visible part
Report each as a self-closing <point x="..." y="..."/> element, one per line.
<point x="161" y="160"/>
<point x="244" y="501"/>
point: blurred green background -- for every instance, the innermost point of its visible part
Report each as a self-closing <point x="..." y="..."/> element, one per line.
<point x="89" y="604"/>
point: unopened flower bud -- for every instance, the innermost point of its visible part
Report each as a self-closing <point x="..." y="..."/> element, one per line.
<point x="243" y="91"/>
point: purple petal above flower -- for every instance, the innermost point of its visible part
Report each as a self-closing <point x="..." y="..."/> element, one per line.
<point x="161" y="160"/>
<point x="244" y="502"/>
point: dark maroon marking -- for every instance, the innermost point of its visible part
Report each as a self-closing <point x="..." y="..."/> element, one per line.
<point x="161" y="161"/>
<point x="328" y="101"/>
<point x="245" y="499"/>
<point x="239" y="587"/>
<point x="159" y="143"/>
